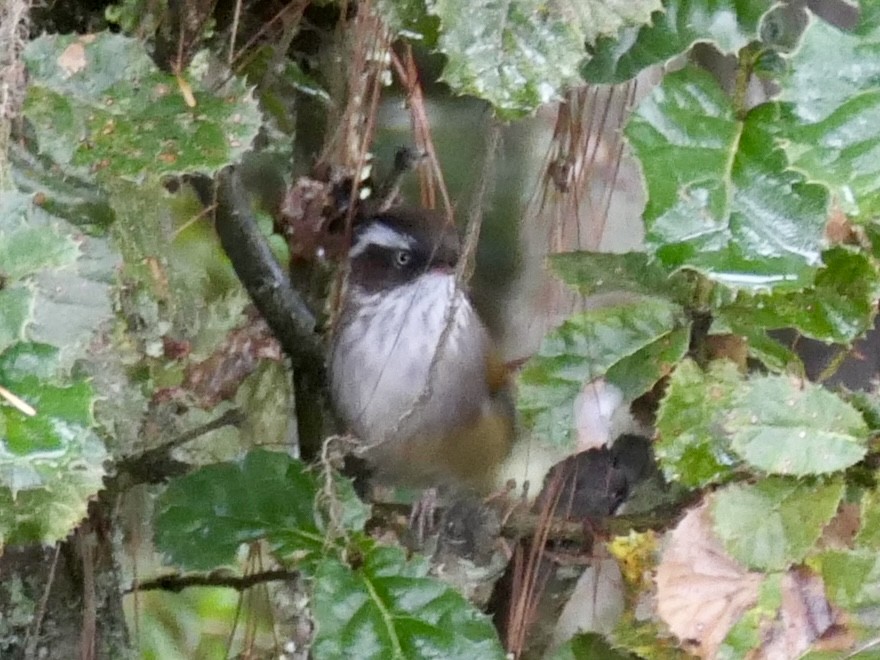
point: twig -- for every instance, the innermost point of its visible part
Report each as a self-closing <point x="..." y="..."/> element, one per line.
<point x="149" y="466"/>
<point x="864" y="647"/>
<point x="85" y="542"/>
<point x="33" y="634"/>
<point x="233" y="32"/>
<point x="17" y="402"/>
<point x="408" y="75"/>
<point x="279" y="303"/>
<point x="177" y="583"/>
<point x="475" y="217"/>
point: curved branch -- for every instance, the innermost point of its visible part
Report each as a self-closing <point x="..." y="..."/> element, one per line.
<point x="290" y="319"/>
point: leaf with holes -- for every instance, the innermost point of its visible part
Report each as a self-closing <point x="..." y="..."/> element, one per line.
<point x="99" y="104"/>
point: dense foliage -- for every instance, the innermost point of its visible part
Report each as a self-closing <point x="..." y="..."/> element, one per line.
<point x="761" y="215"/>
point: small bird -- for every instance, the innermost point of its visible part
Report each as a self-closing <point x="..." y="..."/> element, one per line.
<point x="413" y="371"/>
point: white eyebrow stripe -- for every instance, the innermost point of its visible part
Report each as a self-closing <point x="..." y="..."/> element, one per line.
<point x="381" y="235"/>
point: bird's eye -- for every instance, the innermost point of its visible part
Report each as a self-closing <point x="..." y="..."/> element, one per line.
<point x="402" y="258"/>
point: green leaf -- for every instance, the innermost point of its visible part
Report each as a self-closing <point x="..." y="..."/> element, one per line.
<point x="868" y="405"/>
<point x="775" y="522"/>
<point x="636" y="374"/>
<point x="56" y="292"/>
<point x="832" y="65"/>
<point x="100" y="103"/>
<point x="31" y="241"/>
<point x="27" y="249"/>
<point x="63" y="195"/>
<point x="512" y="54"/>
<point x="51" y="463"/>
<point x="830" y="126"/>
<point x="726" y="24"/>
<point x="842" y="150"/>
<point x="828" y="123"/>
<point x="839" y="307"/>
<point x="583" y="348"/>
<point x="790" y="426"/>
<point x="586" y="646"/>
<point x="15" y="313"/>
<point x="592" y="273"/>
<point x="852" y="577"/>
<point x="721" y="200"/>
<point x="869" y="530"/>
<point x="766" y="349"/>
<point x="520" y="55"/>
<point x="600" y="18"/>
<point x="203" y="517"/>
<point x="63" y="290"/>
<point x="388" y="607"/>
<point x="692" y="448"/>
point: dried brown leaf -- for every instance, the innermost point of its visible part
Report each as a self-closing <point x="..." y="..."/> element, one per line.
<point x="701" y="591"/>
<point x="805" y="616"/>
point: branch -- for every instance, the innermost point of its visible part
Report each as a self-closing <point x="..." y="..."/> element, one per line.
<point x="522" y="524"/>
<point x="280" y="304"/>
<point x="176" y="583"/>
<point x="290" y="319"/>
<point x="156" y="465"/>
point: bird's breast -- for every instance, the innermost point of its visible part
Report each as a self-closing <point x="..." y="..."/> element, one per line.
<point x="409" y="362"/>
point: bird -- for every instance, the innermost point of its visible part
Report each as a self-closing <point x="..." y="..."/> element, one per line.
<point x="414" y="373"/>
